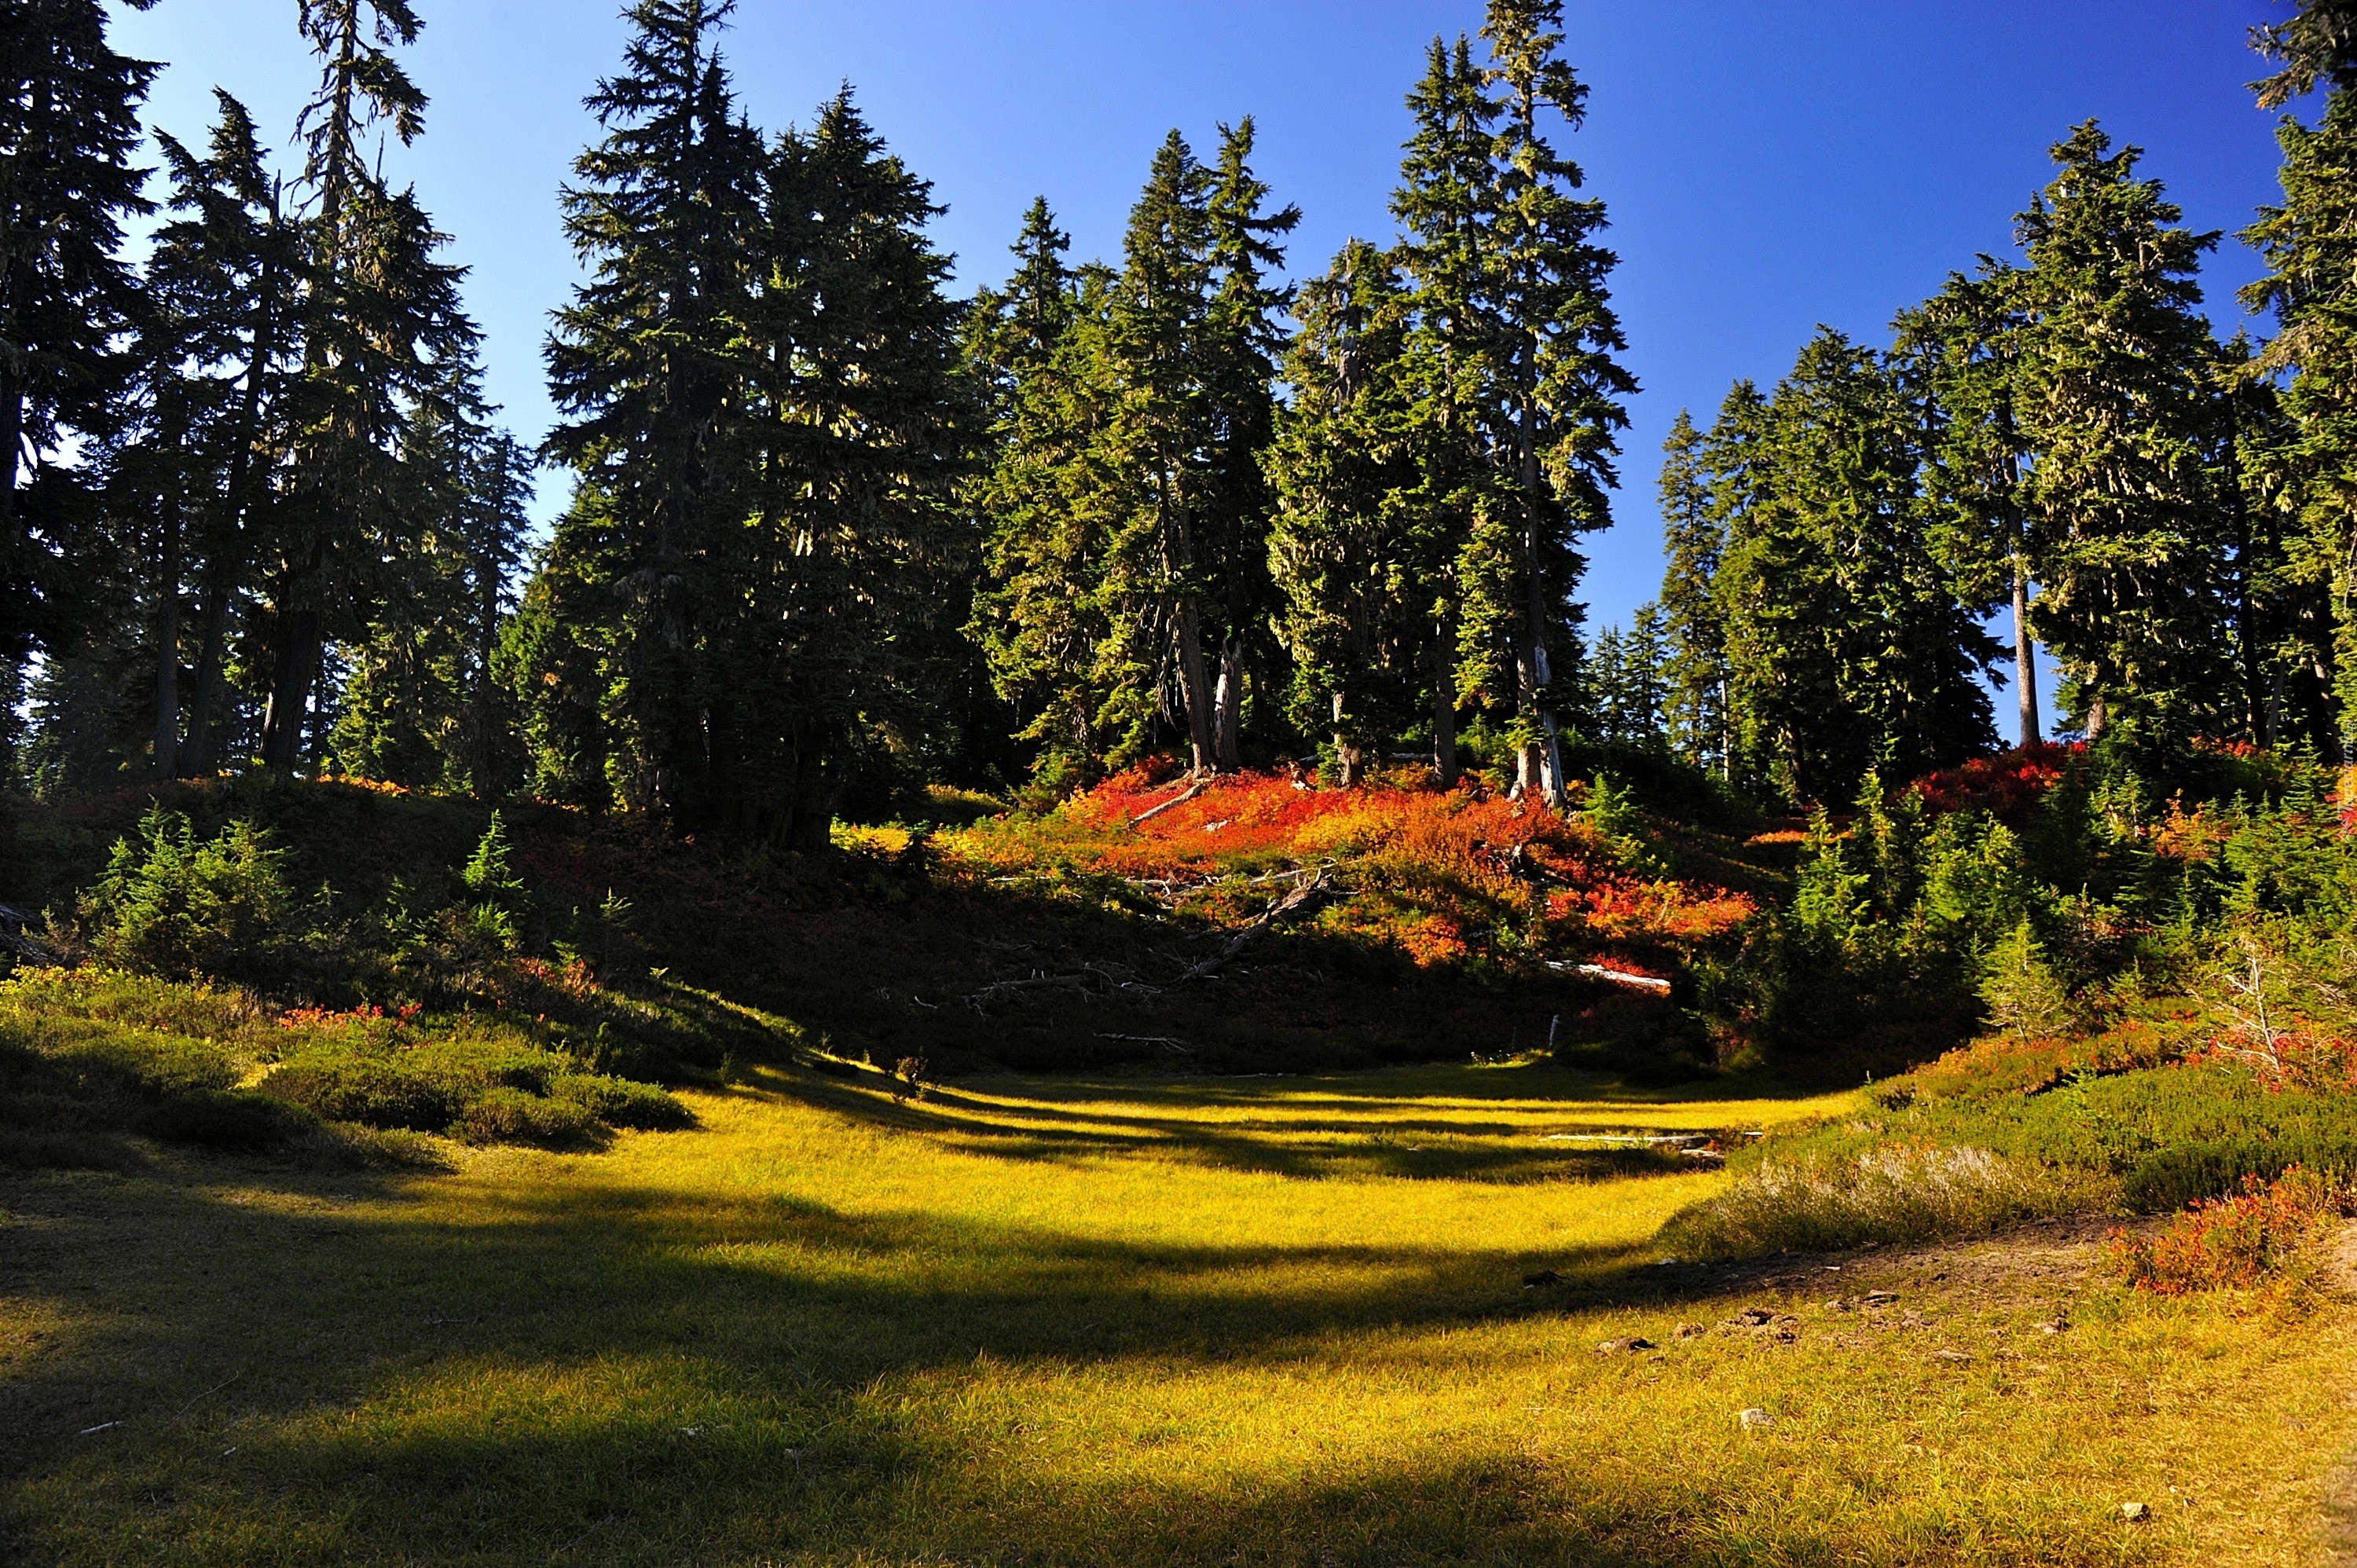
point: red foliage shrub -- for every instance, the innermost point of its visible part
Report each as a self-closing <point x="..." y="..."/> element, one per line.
<point x="2230" y="1243"/>
<point x="2006" y="786"/>
<point x="1433" y="870"/>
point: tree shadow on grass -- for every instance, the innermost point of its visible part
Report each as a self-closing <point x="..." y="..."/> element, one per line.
<point x="1287" y="1140"/>
<point x="229" y="1361"/>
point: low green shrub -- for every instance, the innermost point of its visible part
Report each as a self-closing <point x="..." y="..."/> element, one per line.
<point x="228" y="1118"/>
<point x="502" y="1115"/>
<point x="373" y="1091"/>
<point x="618" y="1103"/>
<point x="170" y="905"/>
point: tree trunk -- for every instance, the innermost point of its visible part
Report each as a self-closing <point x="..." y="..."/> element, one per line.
<point x="1444" y="705"/>
<point x="1347" y="759"/>
<point x="167" y="642"/>
<point x="2025" y="659"/>
<point x="300" y="636"/>
<point x="1726" y="730"/>
<point x="2095" y="716"/>
<point x="1194" y="686"/>
<point x="1542" y="762"/>
<point x="199" y="757"/>
<point x="1227" y="740"/>
<point x="483" y="766"/>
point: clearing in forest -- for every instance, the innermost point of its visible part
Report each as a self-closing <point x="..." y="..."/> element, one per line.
<point x="1209" y="1320"/>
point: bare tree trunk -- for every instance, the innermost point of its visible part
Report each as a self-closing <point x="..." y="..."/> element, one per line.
<point x="1195" y="684"/>
<point x="300" y="639"/>
<point x="167" y="642"/>
<point x="1726" y="730"/>
<point x="1541" y="767"/>
<point x="200" y="756"/>
<point x="1444" y="705"/>
<point x="1347" y="759"/>
<point x="2095" y="716"/>
<point x="2025" y="658"/>
<point x="1227" y="740"/>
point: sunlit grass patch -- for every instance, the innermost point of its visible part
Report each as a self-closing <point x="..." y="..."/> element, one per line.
<point x="1172" y="1322"/>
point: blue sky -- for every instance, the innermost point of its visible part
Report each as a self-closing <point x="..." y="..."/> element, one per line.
<point x="1768" y="164"/>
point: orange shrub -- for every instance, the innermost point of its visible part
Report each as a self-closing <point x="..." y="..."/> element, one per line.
<point x="1432" y="869"/>
<point x="2230" y="1243"/>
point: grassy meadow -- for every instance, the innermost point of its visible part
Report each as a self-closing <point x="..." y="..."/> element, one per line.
<point x="1275" y="1319"/>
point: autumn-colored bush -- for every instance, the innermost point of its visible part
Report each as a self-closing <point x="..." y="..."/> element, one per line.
<point x="2234" y="1243"/>
<point x="1434" y="873"/>
<point x="2006" y="786"/>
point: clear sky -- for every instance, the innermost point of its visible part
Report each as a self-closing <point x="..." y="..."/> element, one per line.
<point x="1768" y="164"/>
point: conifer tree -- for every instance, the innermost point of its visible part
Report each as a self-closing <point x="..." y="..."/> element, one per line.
<point x="1848" y="647"/>
<point x="382" y="321"/>
<point x="1694" y="628"/>
<point x="1350" y="551"/>
<point x="1246" y="338"/>
<point x="2116" y="396"/>
<point x="223" y="281"/>
<point x="645" y="365"/>
<point x="69" y="127"/>
<point x="1967" y="342"/>
<point x="2319" y="45"/>
<point x="2309" y="242"/>
<point x="1444" y="206"/>
<point x="1518" y="346"/>
<point x="854" y="595"/>
<point x="1626" y="682"/>
<point x="1038" y="349"/>
<point x="1157" y="579"/>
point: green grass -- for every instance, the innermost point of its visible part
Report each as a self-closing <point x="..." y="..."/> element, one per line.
<point x="1273" y="1320"/>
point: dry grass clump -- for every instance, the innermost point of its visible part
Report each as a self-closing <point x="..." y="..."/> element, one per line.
<point x="1899" y="1192"/>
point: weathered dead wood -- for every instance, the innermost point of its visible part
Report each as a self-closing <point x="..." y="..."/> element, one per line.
<point x="1314" y="890"/>
<point x="1196" y="787"/>
<point x="1089" y="980"/>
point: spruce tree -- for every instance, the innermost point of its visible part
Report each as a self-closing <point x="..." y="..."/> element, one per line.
<point x="852" y="560"/>
<point x="382" y="322"/>
<point x="1514" y="355"/>
<point x="1156" y="577"/>
<point x="1966" y="342"/>
<point x="1245" y="341"/>
<point x="1037" y="351"/>
<point x="2318" y="45"/>
<point x="218" y="339"/>
<point x="1444" y="204"/>
<point x="1848" y="646"/>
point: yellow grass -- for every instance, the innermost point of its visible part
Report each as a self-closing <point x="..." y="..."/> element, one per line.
<point x="1275" y="1320"/>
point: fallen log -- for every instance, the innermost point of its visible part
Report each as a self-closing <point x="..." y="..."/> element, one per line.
<point x="1285" y="909"/>
<point x="1196" y="787"/>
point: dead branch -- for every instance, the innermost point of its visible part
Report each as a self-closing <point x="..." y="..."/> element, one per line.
<point x="1303" y="895"/>
<point x="1089" y="980"/>
<point x="1174" y="1046"/>
<point x="1196" y="787"/>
